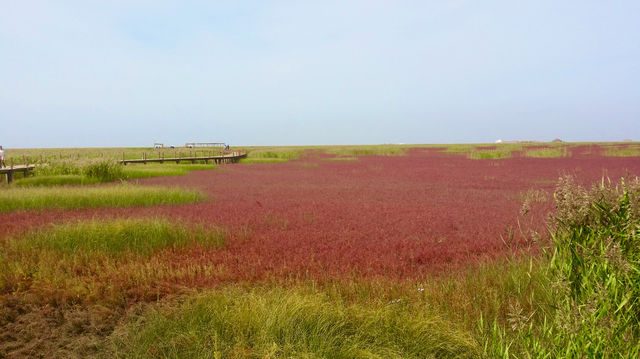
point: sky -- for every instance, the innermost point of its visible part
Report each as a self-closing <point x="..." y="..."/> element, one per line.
<point x="130" y="73"/>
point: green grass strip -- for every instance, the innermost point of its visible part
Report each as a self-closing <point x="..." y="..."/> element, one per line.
<point x="140" y="236"/>
<point x="262" y="160"/>
<point x="622" y="151"/>
<point x="488" y="154"/>
<point x="132" y="171"/>
<point x="124" y="195"/>
<point x="288" y="323"/>
<point x="547" y="152"/>
<point x="61" y="180"/>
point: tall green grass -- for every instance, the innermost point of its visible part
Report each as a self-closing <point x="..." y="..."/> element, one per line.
<point x="104" y="171"/>
<point x="594" y="280"/>
<point x="60" y="172"/>
<point x="278" y="323"/>
<point x="123" y="195"/>
<point x="597" y="267"/>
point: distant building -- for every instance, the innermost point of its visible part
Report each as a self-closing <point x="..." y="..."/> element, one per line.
<point x="498" y="141"/>
<point x="557" y="140"/>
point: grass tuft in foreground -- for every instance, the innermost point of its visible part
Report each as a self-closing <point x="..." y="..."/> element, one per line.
<point x="123" y="195"/>
<point x="279" y="323"/>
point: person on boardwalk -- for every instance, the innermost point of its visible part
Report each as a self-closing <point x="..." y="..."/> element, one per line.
<point x="2" y="164"/>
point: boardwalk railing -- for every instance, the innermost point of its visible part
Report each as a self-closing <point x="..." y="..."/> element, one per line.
<point x="231" y="157"/>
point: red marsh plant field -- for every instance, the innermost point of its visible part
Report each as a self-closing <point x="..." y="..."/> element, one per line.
<point x="393" y="222"/>
<point x="392" y="216"/>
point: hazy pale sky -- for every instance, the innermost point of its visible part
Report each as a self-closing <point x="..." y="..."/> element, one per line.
<point x="129" y="73"/>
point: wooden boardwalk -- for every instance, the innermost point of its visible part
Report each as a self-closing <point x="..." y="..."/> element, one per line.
<point x="9" y="171"/>
<point x="232" y="157"/>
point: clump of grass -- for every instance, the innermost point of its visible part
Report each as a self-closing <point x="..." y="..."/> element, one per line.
<point x="60" y="180"/>
<point x="141" y="236"/>
<point x="597" y="265"/>
<point x="60" y="172"/>
<point x="594" y="279"/>
<point x="289" y="323"/>
<point x="123" y="195"/>
<point x="104" y="170"/>
<point x="58" y="167"/>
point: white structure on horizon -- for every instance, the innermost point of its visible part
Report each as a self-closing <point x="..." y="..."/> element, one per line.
<point x="498" y="141"/>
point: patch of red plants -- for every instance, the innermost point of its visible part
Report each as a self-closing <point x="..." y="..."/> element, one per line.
<point x="393" y="216"/>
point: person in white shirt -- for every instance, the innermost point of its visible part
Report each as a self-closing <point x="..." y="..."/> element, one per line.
<point x="2" y="157"/>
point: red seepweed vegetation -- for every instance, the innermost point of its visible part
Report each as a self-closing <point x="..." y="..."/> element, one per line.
<point x="396" y="217"/>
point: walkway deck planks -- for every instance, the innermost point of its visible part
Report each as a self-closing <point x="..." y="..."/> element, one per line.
<point x="9" y="171"/>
